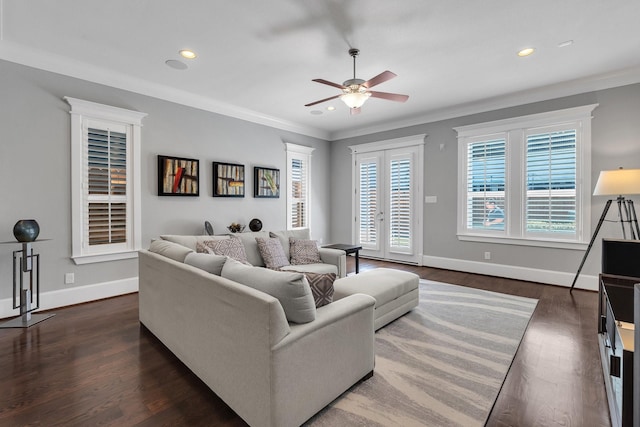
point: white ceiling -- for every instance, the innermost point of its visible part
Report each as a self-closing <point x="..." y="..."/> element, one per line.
<point x="256" y="58"/>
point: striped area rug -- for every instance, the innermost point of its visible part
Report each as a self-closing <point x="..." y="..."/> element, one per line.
<point x="442" y="364"/>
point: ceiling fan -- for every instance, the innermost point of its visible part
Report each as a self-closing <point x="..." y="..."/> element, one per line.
<point x="356" y="91"/>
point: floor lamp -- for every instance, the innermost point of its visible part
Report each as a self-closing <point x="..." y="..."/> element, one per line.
<point x="616" y="183"/>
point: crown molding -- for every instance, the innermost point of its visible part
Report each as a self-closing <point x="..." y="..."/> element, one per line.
<point x="557" y="90"/>
<point x="42" y="60"/>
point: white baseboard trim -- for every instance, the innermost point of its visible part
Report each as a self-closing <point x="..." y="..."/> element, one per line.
<point x="77" y="295"/>
<point x="558" y="278"/>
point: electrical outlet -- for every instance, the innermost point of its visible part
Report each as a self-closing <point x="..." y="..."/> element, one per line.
<point x="69" y="278"/>
<point x="487" y="255"/>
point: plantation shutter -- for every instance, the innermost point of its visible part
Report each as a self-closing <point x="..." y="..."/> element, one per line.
<point x="298" y="193"/>
<point x="106" y="189"/>
<point x="485" y="177"/>
<point x="368" y="203"/>
<point x="551" y="182"/>
<point x="400" y="220"/>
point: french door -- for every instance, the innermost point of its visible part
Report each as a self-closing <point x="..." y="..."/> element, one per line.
<point x="387" y="202"/>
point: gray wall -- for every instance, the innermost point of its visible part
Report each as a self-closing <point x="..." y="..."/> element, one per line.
<point x="615" y="143"/>
<point x="35" y="170"/>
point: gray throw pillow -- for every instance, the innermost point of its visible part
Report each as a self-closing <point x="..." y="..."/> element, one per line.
<point x="207" y="262"/>
<point x="272" y="252"/>
<point x="291" y="289"/>
<point x="299" y="233"/>
<point x="304" y="251"/>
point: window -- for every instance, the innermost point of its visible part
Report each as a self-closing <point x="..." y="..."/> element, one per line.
<point x="298" y="185"/>
<point x="105" y="182"/>
<point x="526" y="180"/>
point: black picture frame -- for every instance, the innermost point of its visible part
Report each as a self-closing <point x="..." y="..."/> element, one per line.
<point x="266" y="182"/>
<point x="178" y="176"/>
<point x="228" y="180"/>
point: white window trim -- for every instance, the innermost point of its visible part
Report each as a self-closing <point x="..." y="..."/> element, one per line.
<point x="82" y="111"/>
<point x="514" y="128"/>
<point x="304" y="153"/>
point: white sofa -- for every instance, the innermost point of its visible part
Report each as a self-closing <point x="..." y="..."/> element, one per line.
<point x="333" y="260"/>
<point x="237" y="339"/>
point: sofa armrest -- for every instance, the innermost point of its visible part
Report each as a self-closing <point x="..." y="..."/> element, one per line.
<point x="336" y="257"/>
<point x="320" y="360"/>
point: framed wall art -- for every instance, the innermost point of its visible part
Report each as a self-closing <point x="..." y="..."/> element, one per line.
<point x="266" y="182"/>
<point x="228" y="180"/>
<point x="178" y="176"/>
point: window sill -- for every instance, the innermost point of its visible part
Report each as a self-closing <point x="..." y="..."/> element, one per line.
<point x="112" y="256"/>
<point x="543" y="243"/>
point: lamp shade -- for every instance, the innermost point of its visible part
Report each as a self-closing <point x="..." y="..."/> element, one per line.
<point x="618" y="182"/>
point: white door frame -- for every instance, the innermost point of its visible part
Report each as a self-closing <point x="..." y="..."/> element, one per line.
<point x="416" y="141"/>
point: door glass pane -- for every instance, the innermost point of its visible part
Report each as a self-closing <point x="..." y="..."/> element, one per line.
<point x="400" y="204"/>
<point x="368" y="192"/>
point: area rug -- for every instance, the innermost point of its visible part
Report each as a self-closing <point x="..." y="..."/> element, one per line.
<point x="442" y="364"/>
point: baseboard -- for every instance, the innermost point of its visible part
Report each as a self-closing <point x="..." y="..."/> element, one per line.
<point x="558" y="278"/>
<point x="76" y="295"/>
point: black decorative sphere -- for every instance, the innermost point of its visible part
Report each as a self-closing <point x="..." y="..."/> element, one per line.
<point x="26" y="230"/>
<point x="255" y="225"/>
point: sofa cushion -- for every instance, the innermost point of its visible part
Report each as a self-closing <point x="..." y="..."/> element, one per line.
<point x="302" y="233"/>
<point x="208" y="262"/>
<point x="291" y="289"/>
<point x="169" y="249"/>
<point x="272" y="252"/>
<point x="190" y="241"/>
<point x="322" y="268"/>
<point x="233" y="248"/>
<point x="251" y="246"/>
<point x="304" y="251"/>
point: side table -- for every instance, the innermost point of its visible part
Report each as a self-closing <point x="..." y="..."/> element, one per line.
<point x="26" y="292"/>
<point x="348" y="249"/>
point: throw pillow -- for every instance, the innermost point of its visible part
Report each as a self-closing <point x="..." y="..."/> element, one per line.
<point x="272" y="252"/>
<point x="304" y="251"/>
<point x="300" y="233"/>
<point x="207" y="262"/>
<point x="321" y="285"/>
<point x="233" y="248"/>
<point x="290" y="288"/>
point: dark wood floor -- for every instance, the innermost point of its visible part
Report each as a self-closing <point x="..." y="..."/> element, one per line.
<point x="93" y="364"/>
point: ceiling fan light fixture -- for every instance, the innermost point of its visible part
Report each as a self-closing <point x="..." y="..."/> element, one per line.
<point x="355" y="99"/>
<point x="355" y="95"/>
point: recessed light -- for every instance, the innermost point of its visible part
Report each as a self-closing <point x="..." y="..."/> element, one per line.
<point x="331" y="108"/>
<point x="565" y="43"/>
<point x="188" y="54"/>
<point x="526" y="52"/>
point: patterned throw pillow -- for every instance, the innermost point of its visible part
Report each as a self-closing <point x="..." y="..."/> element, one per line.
<point x="233" y="248"/>
<point x="304" y="251"/>
<point x="272" y="252"/>
<point x="321" y="287"/>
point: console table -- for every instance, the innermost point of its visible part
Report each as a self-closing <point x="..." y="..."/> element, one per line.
<point x="26" y="293"/>
<point x="616" y="342"/>
<point x="348" y="249"/>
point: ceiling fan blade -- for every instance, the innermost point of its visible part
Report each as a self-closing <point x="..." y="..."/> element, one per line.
<point x="380" y="78"/>
<point x="389" y="96"/>
<point x="327" y="82"/>
<point x="322" y="100"/>
<point x="353" y="111"/>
